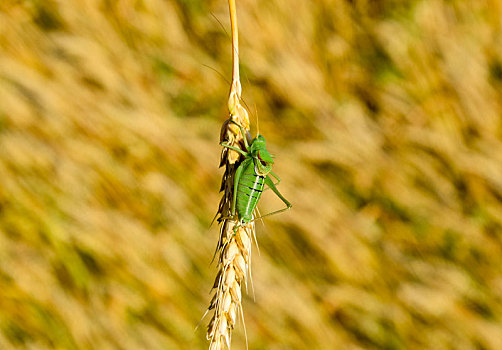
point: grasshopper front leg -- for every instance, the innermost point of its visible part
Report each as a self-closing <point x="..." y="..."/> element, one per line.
<point x="236" y="149"/>
<point x="243" y="133"/>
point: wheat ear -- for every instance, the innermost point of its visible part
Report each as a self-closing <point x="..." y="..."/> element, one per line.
<point x="234" y="250"/>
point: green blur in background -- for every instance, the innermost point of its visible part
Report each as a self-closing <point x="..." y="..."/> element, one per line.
<point x="385" y="117"/>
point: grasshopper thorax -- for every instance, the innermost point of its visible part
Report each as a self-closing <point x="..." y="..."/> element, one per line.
<point x="263" y="160"/>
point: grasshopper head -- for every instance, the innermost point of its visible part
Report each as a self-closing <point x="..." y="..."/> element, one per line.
<point x="262" y="159"/>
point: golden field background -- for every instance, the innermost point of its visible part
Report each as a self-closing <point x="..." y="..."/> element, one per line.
<point x="385" y="117"/>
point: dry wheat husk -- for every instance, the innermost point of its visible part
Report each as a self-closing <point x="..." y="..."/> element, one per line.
<point x="233" y="250"/>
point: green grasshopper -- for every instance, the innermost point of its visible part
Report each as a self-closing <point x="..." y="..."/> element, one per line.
<point x="250" y="179"/>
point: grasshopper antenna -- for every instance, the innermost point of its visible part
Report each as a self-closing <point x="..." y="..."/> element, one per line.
<point x="221" y="24"/>
<point x="257" y="121"/>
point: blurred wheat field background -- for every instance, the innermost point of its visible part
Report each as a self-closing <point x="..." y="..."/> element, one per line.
<point x="385" y="117"/>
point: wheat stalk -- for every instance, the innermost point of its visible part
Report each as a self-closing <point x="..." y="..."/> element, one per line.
<point x="234" y="250"/>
